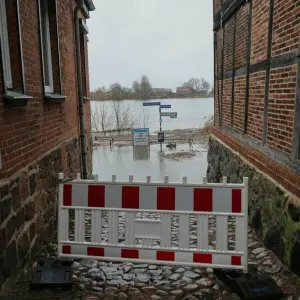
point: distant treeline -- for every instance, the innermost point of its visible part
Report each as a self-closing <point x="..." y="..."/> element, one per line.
<point x="142" y="89"/>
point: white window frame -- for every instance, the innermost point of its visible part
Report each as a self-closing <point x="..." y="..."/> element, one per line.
<point x="46" y="45"/>
<point x="5" y="46"/>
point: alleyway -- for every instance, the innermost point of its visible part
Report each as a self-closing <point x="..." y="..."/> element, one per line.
<point x="131" y="281"/>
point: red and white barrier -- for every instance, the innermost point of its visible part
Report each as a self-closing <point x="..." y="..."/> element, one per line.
<point x="221" y="200"/>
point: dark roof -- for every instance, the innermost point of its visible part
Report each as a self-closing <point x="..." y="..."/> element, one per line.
<point x="90" y="5"/>
<point x="184" y="89"/>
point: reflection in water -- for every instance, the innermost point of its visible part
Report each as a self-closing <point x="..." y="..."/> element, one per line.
<point x="121" y="162"/>
<point x="141" y="152"/>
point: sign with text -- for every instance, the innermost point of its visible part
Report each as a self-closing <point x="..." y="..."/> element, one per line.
<point x="161" y="137"/>
<point x="172" y="115"/>
<point x="151" y="103"/>
<point x="166" y="106"/>
<point x="140" y="137"/>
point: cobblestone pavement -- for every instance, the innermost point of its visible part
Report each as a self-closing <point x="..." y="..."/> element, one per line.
<point x="96" y="280"/>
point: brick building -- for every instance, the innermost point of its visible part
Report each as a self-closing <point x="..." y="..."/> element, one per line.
<point x="257" y="113"/>
<point x="40" y="130"/>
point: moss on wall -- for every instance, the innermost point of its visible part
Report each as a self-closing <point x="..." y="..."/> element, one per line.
<point x="273" y="213"/>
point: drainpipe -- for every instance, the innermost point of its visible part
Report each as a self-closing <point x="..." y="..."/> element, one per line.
<point x="80" y="95"/>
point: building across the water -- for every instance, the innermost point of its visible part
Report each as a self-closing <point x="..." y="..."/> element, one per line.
<point x="185" y="91"/>
<point x="257" y="114"/>
<point x="43" y="81"/>
<point x="161" y="92"/>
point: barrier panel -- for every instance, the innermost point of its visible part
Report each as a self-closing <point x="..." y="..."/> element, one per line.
<point x="203" y="225"/>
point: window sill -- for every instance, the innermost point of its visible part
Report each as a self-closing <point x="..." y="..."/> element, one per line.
<point x="15" y="99"/>
<point x="86" y="99"/>
<point x="54" y="98"/>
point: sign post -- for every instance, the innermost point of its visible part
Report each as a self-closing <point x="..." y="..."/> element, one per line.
<point x="172" y="115"/>
<point x="140" y="137"/>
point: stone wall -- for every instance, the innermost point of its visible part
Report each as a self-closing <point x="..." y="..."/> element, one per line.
<point x="28" y="204"/>
<point x="273" y="213"/>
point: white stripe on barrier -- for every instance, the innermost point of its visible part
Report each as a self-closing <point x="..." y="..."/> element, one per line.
<point x="147" y="196"/>
<point x="96" y="226"/>
<point x="166" y="226"/>
<point x="184" y="230"/>
<point x="202" y="231"/>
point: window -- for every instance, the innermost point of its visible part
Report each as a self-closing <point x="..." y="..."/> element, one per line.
<point x="46" y="46"/>
<point x="5" y="46"/>
<point x="83" y="64"/>
<point x="83" y="56"/>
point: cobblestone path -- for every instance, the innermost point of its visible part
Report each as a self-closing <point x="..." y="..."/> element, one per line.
<point x="95" y="280"/>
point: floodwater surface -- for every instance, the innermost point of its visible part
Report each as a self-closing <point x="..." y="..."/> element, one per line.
<point x="122" y="161"/>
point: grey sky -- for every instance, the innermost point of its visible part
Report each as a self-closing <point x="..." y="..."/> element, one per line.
<point x="170" y="41"/>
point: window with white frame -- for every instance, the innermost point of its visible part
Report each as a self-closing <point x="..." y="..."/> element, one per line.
<point x="46" y="46"/>
<point x="5" y="46"/>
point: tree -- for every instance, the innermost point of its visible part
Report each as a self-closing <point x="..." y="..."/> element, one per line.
<point x="201" y="86"/>
<point x="116" y="91"/>
<point x="136" y="89"/>
<point x="99" y="93"/>
<point x="205" y="87"/>
<point x="99" y="117"/>
<point x="145" y="87"/>
<point x="122" y="115"/>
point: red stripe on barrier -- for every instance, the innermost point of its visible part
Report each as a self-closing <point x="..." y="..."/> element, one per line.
<point x="66" y="249"/>
<point x="203" y="258"/>
<point x="236" y="260"/>
<point x="236" y="200"/>
<point x="165" y="198"/>
<point x="203" y="199"/>
<point x="67" y="197"/>
<point x="130" y="253"/>
<point x="95" y="251"/>
<point x="131" y="197"/>
<point x="165" y="255"/>
<point x="96" y="196"/>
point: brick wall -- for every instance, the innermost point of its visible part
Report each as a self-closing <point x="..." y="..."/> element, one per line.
<point x="281" y="108"/>
<point x="259" y="38"/>
<point x="39" y="140"/>
<point x="228" y="45"/>
<point x="227" y="100"/>
<point x="286" y="27"/>
<point x="266" y="86"/>
<point x="239" y="103"/>
<point x="256" y="105"/>
<point x="37" y="128"/>
<point x="241" y="37"/>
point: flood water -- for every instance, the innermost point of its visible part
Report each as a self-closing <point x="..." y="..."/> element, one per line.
<point x="191" y="113"/>
<point x="122" y="161"/>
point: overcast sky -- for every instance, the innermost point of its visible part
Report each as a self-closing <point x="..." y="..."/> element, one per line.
<point x="170" y="41"/>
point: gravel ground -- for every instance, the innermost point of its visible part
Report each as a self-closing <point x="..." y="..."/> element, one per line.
<point x="107" y="280"/>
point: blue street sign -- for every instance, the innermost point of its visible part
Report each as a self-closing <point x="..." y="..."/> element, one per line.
<point x="151" y="103"/>
<point x="166" y="106"/>
<point x="141" y="130"/>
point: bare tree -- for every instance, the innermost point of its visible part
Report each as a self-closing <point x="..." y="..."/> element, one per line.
<point x="122" y="116"/>
<point x="95" y="119"/>
<point x="99" y="117"/>
<point x="145" y="117"/>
